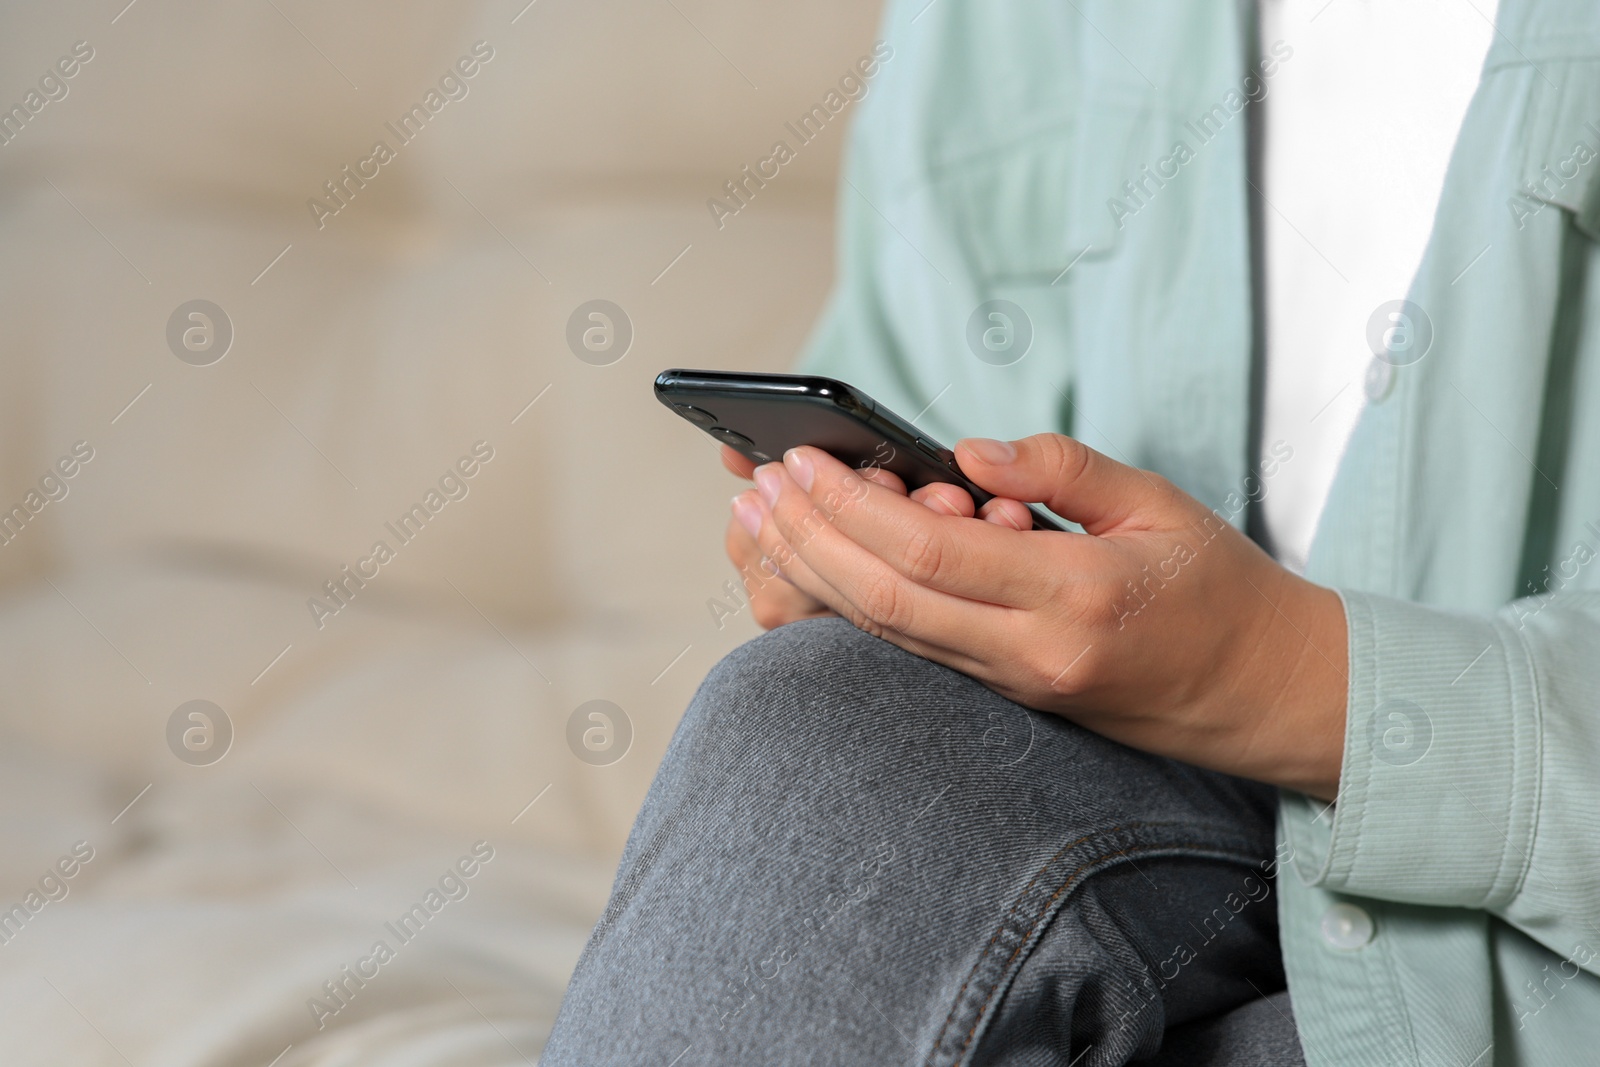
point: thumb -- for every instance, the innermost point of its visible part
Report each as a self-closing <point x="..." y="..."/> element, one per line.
<point x="1072" y="480"/>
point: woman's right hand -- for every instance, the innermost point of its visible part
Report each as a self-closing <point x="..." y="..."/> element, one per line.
<point x="773" y="600"/>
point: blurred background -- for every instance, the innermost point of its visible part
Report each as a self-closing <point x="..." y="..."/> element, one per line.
<point x="239" y="348"/>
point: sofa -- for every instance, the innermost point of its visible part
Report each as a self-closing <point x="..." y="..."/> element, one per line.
<point x="241" y="348"/>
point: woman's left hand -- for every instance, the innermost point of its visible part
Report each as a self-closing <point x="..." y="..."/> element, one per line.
<point x="1160" y="626"/>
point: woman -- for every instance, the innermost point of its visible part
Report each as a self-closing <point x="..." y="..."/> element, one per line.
<point x="1043" y="798"/>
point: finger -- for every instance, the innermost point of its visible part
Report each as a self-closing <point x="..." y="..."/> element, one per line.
<point x="839" y="603"/>
<point x="945" y="499"/>
<point x="955" y="659"/>
<point x="772" y="544"/>
<point x="737" y="463"/>
<point x="777" y="558"/>
<point x="755" y="570"/>
<point x="875" y="588"/>
<point x="1003" y="511"/>
<point x="743" y="547"/>
<point x="980" y="561"/>
<point x="887" y="479"/>
<point x="834" y="603"/>
<point x="774" y="601"/>
<point x="1074" y="481"/>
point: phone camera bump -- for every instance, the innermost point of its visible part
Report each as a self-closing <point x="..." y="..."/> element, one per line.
<point x="696" y="415"/>
<point x="729" y="437"/>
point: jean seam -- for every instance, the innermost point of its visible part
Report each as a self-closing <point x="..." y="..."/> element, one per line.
<point x="956" y="1003"/>
<point x="1213" y="847"/>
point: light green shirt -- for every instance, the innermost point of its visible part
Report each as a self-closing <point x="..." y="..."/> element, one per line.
<point x="1447" y="910"/>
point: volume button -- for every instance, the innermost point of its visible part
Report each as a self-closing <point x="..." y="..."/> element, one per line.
<point x="947" y="457"/>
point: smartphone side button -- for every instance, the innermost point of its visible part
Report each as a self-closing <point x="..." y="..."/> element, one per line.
<point x="947" y="457"/>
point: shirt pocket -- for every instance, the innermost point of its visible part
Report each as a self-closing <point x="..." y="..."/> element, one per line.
<point x="1029" y="210"/>
<point x="1556" y="139"/>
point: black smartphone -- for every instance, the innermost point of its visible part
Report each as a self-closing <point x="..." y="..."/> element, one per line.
<point x="762" y="416"/>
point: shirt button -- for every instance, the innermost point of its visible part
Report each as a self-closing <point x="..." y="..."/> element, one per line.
<point x="1346" y="927"/>
<point x="1379" y="381"/>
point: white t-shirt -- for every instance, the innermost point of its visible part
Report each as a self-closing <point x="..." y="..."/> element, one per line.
<point x="1358" y="127"/>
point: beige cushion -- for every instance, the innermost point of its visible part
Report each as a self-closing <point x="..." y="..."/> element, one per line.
<point x="366" y="360"/>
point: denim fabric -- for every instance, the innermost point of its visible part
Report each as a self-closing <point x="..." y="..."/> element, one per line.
<point x="1260" y="1033"/>
<point x="852" y="855"/>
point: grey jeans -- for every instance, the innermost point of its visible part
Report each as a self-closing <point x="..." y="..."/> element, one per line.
<point x="852" y="855"/>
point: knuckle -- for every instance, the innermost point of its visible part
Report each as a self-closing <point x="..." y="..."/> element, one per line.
<point x="883" y="601"/>
<point x="763" y="570"/>
<point x="796" y="527"/>
<point x="1067" y="458"/>
<point x="865" y="624"/>
<point x="1043" y="674"/>
<point x="776" y="556"/>
<point x="851" y="488"/>
<point x="1168" y="497"/>
<point x="1163" y="488"/>
<point x="924" y="558"/>
<point x="1068" y="678"/>
<point x="1114" y="609"/>
<point x="1071" y="672"/>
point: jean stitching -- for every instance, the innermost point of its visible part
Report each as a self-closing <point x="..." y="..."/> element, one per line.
<point x="978" y="963"/>
<point x="1070" y="883"/>
<point x="1042" y="912"/>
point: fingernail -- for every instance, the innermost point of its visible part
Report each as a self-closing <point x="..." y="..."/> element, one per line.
<point x="799" y="468"/>
<point x="767" y="481"/>
<point x="936" y="502"/>
<point x="991" y="451"/>
<point x="749" y="516"/>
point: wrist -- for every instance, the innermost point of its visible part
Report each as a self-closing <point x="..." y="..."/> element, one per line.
<point x="1290" y="685"/>
<point x="1310" y="706"/>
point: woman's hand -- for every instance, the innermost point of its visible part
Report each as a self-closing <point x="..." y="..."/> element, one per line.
<point x="774" y="601"/>
<point x="1161" y="626"/>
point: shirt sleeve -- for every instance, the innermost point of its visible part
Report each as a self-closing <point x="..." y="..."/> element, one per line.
<point x="1470" y="764"/>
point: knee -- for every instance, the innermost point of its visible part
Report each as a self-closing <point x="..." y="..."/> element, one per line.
<point x="801" y="685"/>
<point x="822" y="697"/>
